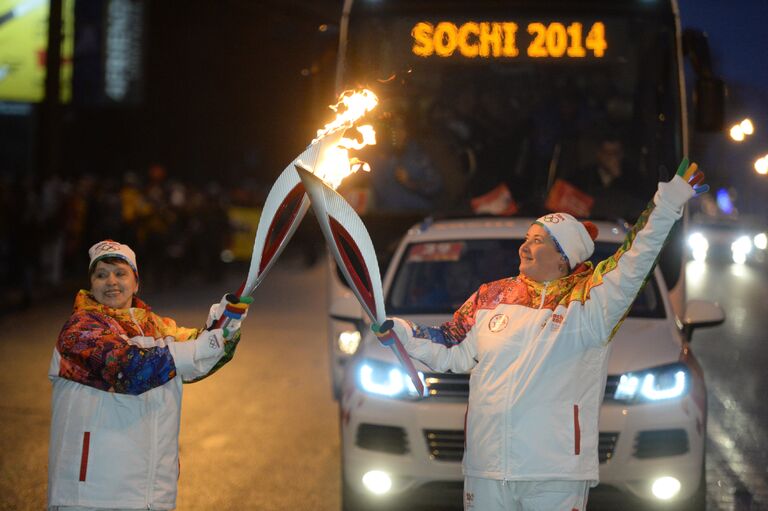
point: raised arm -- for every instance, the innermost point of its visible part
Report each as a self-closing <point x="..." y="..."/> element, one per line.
<point x="616" y="281"/>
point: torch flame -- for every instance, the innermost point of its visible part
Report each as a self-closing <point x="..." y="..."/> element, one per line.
<point x="336" y="163"/>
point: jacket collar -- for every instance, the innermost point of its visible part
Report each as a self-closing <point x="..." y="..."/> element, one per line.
<point x="85" y="301"/>
<point x="561" y="284"/>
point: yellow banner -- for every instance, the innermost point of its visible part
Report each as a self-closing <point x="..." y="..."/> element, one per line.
<point x="23" y="47"/>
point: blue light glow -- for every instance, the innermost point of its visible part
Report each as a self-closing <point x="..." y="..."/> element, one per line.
<point x="724" y="201"/>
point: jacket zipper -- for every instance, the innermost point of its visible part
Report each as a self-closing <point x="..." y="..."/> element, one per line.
<point x="506" y="423"/>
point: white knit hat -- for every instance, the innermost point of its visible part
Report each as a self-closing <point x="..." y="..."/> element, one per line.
<point x="110" y="248"/>
<point x="573" y="239"/>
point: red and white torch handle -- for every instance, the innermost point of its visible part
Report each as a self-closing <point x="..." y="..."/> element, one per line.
<point x="388" y="337"/>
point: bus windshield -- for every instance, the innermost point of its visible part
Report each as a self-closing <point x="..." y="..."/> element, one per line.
<point x="475" y="118"/>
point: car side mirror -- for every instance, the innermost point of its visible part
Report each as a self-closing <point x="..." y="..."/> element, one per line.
<point x="701" y="314"/>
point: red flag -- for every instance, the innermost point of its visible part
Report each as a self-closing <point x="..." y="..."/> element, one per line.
<point x="565" y="197"/>
<point x="498" y="201"/>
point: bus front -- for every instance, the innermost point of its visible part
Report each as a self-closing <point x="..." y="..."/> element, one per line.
<point x="519" y="107"/>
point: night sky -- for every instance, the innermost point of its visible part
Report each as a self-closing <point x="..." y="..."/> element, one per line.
<point x="739" y="43"/>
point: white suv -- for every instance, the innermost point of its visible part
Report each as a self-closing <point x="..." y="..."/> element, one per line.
<point x="400" y="450"/>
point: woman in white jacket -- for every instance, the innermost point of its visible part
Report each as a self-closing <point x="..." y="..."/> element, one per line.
<point x="117" y="373"/>
<point x="537" y="347"/>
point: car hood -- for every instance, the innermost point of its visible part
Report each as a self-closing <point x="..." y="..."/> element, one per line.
<point x="639" y="344"/>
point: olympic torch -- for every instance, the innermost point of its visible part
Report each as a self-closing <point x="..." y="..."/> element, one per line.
<point x="327" y="156"/>
<point x="351" y="246"/>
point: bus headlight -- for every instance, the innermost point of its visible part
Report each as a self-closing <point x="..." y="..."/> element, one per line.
<point x="383" y="379"/>
<point x="657" y="384"/>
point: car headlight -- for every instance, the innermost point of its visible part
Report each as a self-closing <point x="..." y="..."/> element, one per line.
<point x="657" y="384"/>
<point x="699" y="246"/>
<point x="742" y="244"/>
<point x="760" y="241"/>
<point x="383" y="379"/>
<point x="348" y="341"/>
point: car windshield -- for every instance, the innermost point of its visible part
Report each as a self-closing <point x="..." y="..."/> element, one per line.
<point x="437" y="277"/>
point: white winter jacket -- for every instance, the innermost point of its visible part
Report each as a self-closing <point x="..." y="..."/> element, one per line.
<point x="538" y="355"/>
<point x="117" y="386"/>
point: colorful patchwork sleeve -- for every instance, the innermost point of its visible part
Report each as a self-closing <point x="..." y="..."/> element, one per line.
<point x="451" y="332"/>
<point x="608" y="293"/>
<point x="94" y="354"/>
<point x="449" y="347"/>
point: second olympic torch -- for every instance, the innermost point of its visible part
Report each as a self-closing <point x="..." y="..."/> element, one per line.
<point x="353" y="251"/>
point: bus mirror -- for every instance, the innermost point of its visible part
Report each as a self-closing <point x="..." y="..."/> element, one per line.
<point x="709" y="102"/>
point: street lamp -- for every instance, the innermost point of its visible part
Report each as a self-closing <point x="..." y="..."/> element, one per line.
<point x="747" y="127"/>
<point x="761" y="165"/>
<point x="741" y="130"/>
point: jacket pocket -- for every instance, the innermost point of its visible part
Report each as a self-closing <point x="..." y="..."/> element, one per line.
<point x="576" y="431"/>
<point x="84" y="455"/>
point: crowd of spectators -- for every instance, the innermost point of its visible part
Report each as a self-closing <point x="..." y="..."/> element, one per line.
<point x="177" y="228"/>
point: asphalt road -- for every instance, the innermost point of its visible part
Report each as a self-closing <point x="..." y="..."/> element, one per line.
<point x="734" y="356"/>
<point x="262" y="434"/>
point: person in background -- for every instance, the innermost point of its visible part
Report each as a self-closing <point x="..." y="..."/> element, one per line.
<point x="405" y="177"/>
<point x="617" y="191"/>
<point x="537" y="345"/>
<point x="117" y="372"/>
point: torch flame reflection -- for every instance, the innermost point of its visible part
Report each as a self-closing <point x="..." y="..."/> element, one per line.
<point x="335" y="163"/>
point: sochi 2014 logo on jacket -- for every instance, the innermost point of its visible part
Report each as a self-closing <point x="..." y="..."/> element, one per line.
<point x="498" y="323"/>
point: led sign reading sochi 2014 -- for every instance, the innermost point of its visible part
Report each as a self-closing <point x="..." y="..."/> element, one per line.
<point x="507" y="39"/>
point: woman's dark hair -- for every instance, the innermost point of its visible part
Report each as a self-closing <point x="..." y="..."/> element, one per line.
<point x="109" y="260"/>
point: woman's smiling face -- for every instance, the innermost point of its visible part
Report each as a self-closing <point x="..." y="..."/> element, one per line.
<point x="114" y="284"/>
<point x="539" y="258"/>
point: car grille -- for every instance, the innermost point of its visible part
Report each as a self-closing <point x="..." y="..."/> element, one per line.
<point x="659" y="443"/>
<point x="389" y="439"/>
<point x="457" y="385"/>
<point x="445" y="444"/>
<point x="448" y="444"/>
<point x="447" y="384"/>
<point x="610" y="386"/>
<point x="606" y="445"/>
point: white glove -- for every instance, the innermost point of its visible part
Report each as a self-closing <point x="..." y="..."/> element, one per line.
<point x="674" y="194"/>
<point x="196" y="357"/>
<point x="217" y="309"/>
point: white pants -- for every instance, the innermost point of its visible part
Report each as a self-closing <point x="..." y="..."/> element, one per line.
<point x="482" y="494"/>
